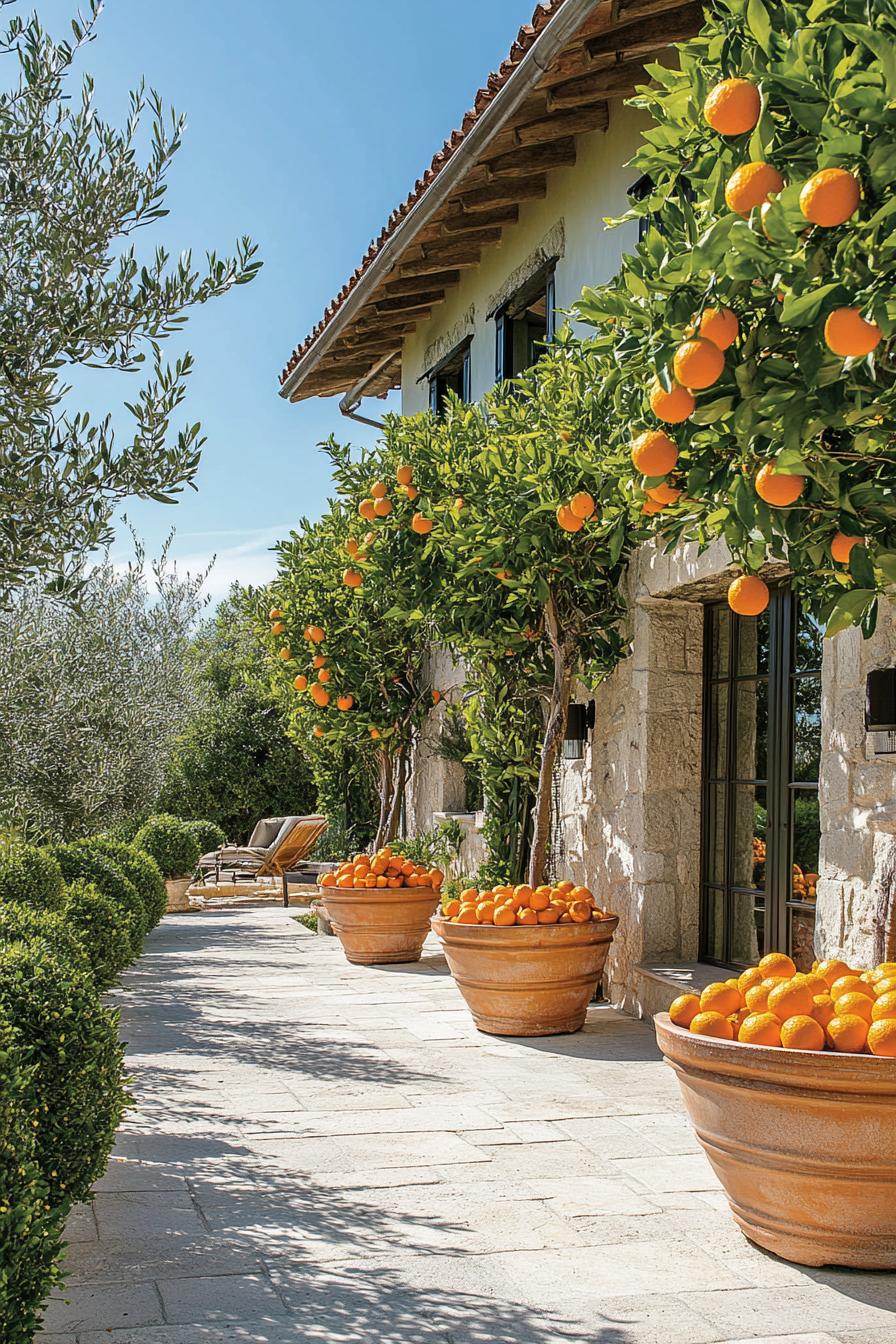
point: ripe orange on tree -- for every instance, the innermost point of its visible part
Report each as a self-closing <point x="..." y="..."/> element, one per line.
<point x="421" y="524"/>
<point x="830" y="197"/>
<point x="378" y="489"/>
<point x="318" y="660"/>
<point x="732" y="107"/>
<point x="751" y="185"/>
<point x="382" y="508"/>
<point x="719" y="325"/>
<point x="324" y="675"/>
<point x="654" y="453"/>
<point x="674" y="406"/>
<point x="698" y="363"/>
<point x="582" y="504"/>
<point x="567" y="520"/>
<point x="352" y="578"/>
<point x="319" y="695"/>
<point x="345" y="702"/>
<point x="317" y="730"/>
<point x="778" y="488"/>
<point x="274" y="614"/>
<point x="278" y="628"/>
<point x="301" y="683"/>
<point x="367" y="510"/>
<point x="404" y="475"/>
<point x="849" y="334"/>
<point x="748" y="595"/>
<point x="315" y="634"/>
<point x="663" y="493"/>
<point x="284" y="654"/>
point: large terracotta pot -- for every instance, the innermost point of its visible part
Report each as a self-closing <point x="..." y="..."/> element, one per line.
<point x="381" y="925"/>
<point x="527" y="980"/>
<point x="176" y="889"/>
<point x="804" y="1144"/>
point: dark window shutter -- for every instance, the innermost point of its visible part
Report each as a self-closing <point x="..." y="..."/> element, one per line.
<point x="550" y="304"/>
<point x="502" y="324"/>
<point x="434" y="395"/>
<point x="466" y="389"/>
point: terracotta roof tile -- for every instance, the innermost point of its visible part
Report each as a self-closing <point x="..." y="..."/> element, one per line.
<point x="484" y="97"/>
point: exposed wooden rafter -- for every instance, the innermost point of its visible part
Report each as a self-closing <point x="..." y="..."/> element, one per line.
<point x="505" y="193"/>
<point x="577" y="121"/>
<point x="525" y="160"/>
<point x="647" y="33"/>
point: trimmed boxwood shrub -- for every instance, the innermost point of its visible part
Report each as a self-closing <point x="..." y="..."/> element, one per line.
<point x="50" y="929"/>
<point x="31" y="1225"/>
<point x="31" y="876"/>
<point x="96" y="923"/>
<point x="141" y="869"/>
<point x="80" y="863"/>
<point x="170" y="843"/>
<point x="207" y="834"/>
<point x="71" y="1041"/>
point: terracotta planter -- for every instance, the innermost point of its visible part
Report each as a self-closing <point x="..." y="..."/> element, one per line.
<point x="380" y="926"/>
<point x="527" y="981"/>
<point x="176" y="889"/>
<point x="805" y="1145"/>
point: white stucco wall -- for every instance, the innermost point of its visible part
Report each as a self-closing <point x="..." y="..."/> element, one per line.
<point x="580" y="198"/>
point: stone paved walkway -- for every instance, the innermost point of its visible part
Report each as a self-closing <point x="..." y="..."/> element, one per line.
<point x="330" y="1153"/>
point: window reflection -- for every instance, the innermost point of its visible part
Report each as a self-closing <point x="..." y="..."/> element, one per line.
<point x="750" y="827"/>
<point x="751" y="720"/>
<point x="747" y="928"/>
<point x="717" y="729"/>
<point x="806" y="729"/>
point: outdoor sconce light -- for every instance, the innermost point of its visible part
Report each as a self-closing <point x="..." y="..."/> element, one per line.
<point x="880" y="709"/>
<point x="579" y="719"/>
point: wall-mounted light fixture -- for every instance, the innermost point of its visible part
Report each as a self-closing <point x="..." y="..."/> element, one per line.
<point x="880" y="709"/>
<point x="579" y="720"/>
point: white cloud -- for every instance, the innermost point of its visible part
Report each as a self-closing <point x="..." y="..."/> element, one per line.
<point x="246" y="561"/>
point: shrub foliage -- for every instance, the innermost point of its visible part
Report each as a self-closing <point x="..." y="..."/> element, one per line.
<point x="167" y="840"/>
<point x="30" y="876"/>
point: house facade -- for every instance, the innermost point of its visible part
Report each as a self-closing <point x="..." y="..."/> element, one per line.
<point x="728" y="799"/>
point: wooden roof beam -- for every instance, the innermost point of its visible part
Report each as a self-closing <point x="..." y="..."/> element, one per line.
<point x="437" y="280"/>
<point x="432" y="265"/>
<point x="577" y="121"/>
<point x="461" y="223"/>
<point x="648" y="33"/>
<point x="533" y="158"/>
<point x="504" y="193"/>
<point x="616" y="81"/>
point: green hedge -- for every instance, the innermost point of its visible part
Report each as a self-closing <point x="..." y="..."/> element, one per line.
<point x="167" y="839"/>
<point x="31" y="876"/>
<point x="81" y="863"/>
<point x="31" y="1225"/>
<point x="139" y="868"/>
<point x="207" y="834"/>
<point x="71" y="1041"/>
<point x="50" y="930"/>
<point x="95" y="921"/>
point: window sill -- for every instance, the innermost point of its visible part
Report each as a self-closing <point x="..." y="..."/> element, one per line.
<point x="684" y="977"/>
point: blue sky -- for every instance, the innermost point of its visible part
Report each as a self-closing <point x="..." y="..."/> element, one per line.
<point x="308" y="120"/>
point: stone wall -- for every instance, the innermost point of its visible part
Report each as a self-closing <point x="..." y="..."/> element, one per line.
<point x="856" y="916"/>
<point x="436" y="785"/>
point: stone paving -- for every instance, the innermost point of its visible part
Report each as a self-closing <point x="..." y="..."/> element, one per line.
<point x="323" y="1152"/>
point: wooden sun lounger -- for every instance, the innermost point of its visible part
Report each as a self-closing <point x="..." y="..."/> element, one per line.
<point x="294" y="840"/>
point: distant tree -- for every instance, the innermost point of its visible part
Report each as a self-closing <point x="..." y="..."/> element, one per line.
<point x="72" y="295"/>
<point x="91" y="698"/>
<point x="234" y="762"/>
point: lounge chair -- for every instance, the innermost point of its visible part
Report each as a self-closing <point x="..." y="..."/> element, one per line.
<point x="275" y="846"/>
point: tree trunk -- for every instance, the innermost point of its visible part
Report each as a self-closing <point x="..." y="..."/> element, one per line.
<point x="399" y="781"/>
<point x="564" y="661"/>
<point x="385" y="784"/>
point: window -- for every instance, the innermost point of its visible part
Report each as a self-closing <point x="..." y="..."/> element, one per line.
<point x="642" y="189"/>
<point x="451" y="375"/>
<point x="761" y="754"/>
<point x="524" y="325"/>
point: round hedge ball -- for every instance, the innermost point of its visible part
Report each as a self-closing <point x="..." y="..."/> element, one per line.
<point x="30" y="876"/>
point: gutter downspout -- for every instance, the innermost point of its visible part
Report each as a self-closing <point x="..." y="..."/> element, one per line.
<point x="349" y="404"/>
<point x="552" y="39"/>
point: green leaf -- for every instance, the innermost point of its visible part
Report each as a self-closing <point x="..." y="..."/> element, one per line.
<point x="802" y="309"/>
<point x="759" y="23"/>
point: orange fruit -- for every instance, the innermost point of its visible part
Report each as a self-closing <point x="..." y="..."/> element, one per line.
<point x="849" y="335"/>
<point x="882" y="971"/>
<point x="466" y="915"/>
<point x="352" y="578"/>
<point x="719" y="325"/>
<point x="318" y="660"/>
<point x="411" y="492"/>
<point x="274" y="614"/>
<point x="485" y="912"/>
<point x="712" y="1024"/>
<point x="748" y="595"/>
<point x="523" y="894"/>
<point x="404" y="475"/>
<point x="567" y="520"/>
<point x="831" y="970"/>
<point x="550" y="915"/>
<point x="673" y="406"/>
<point x="823" y="1009"/>
<point x="760" y="1029"/>
<point x="315" y="634"/>
<point x="540" y="899"/>
<point x="278" y="628"/>
<point x="505" y="915"/>
<point x="663" y="493"/>
<point x="847" y="1034"/>
<point x="858" y="1005"/>
<point x="451" y="907"/>
<point x="378" y="489"/>
<point x="324" y="675"/>
<point x="750" y="977"/>
<point x="830" y="197"/>
<point x="352" y="547"/>
<point x="841" y="547"/>
<point x="750" y="185"/>
<point x="884" y="1007"/>
<point x="382" y="508"/>
<point x="654" y="453"/>
<point x="526" y="916"/>
<point x="777" y="487"/>
<point x="319" y="695"/>
<point x="421" y="525"/>
<point x="851" y="984"/>
<point x="720" y="998"/>
<point x="885" y="986"/>
<point x="366" y="510"/>
<point x="375" y="734"/>
<point x="652" y="507"/>
<point x="345" y="702"/>
<point x="732" y="107"/>
<point x="777" y="963"/>
<point x="436" y="697"/>
<point x="698" y="363"/>
<point x="284" y="654"/>
<point x="790" y="1000"/>
<point x="582" y="505"/>
<point x="882" y="1038"/>
<point x="579" y="912"/>
<point x="317" y="730"/>
<point x="814" y="983"/>
<point x="300" y="683"/>
<point x="802" y="1033"/>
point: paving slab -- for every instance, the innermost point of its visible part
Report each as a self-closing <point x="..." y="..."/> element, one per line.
<point x="332" y="1154"/>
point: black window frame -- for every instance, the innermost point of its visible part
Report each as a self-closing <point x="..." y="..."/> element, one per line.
<point x="457" y="363"/>
<point x="508" y="321"/>
<point x="782" y="787"/>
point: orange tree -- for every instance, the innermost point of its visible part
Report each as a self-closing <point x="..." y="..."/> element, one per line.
<point x="744" y="353"/>
<point x="348" y="661"/>
<point x="520" y="539"/>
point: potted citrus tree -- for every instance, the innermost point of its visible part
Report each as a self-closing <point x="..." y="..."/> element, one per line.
<point x="379" y="906"/>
